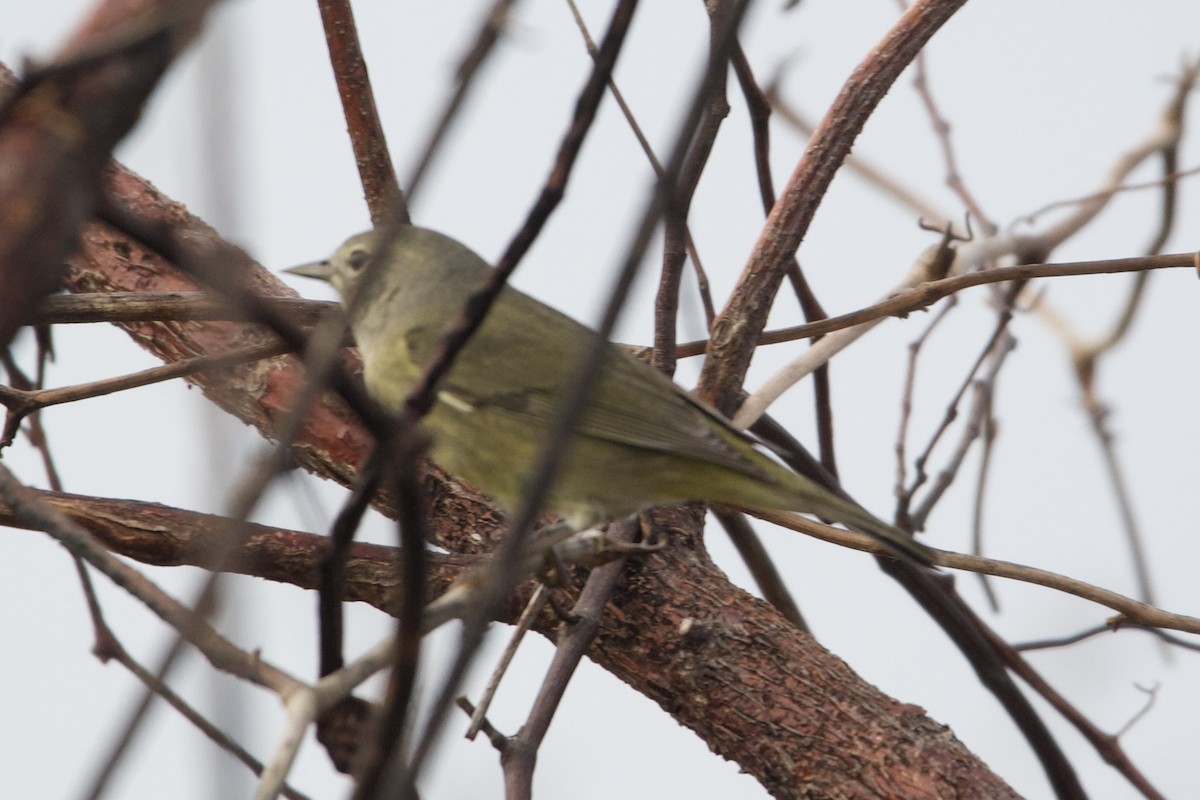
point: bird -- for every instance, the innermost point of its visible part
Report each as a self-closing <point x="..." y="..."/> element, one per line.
<point x="641" y="439"/>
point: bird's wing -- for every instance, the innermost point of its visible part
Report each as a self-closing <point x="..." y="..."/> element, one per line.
<point x="523" y="373"/>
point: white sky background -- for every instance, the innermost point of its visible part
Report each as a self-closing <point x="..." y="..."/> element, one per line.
<point x="1043" y="98"/>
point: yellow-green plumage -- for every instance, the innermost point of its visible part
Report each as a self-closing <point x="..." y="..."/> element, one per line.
<point x="642" y="440"/>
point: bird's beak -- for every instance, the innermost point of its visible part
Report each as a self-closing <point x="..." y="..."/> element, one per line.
<point x="321" y="270"/>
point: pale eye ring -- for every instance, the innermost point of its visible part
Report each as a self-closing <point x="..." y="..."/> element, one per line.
<point x="358" y="258"/>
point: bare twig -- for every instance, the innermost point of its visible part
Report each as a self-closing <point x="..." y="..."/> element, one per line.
<point x="675" y="230"/>
<point x="990" y="429"/>
<point x="1130" y="609"/>
<point x="21" y="403"/>
<point x="995" y="351"/>
<point x="1106" y="745"/>
<point x="1111" y="626"/>
<point x="903" y="497"/>
<point x="644" y="143"/>
<point x="922" y="295"/>
<point x="577" y="637"/>
<point x="28" y="507"/>
<point x="494" y="22"/>
<point x="536" y="603"/>
<point x="941" y="130"/>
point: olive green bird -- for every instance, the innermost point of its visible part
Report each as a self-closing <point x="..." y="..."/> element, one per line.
<point x="641" y="441"/>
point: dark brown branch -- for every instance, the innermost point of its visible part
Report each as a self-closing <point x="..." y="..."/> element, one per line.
<point x="98" y="84"/>
<point x="1107" y="745"/>
<point x="165" y="536"/>
<point x="736" y="331"/>
<point x="675" y="227"/>
<point x="384" y="198"/>
<point x="759" y="109"/>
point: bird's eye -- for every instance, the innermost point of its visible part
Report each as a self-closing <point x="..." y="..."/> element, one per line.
<point x="358" y="258"/>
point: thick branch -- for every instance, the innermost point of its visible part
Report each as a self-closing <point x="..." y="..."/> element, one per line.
<point x="769" y="697"/>
<point x="735" y="332"/>
<point x="165" y="536"/>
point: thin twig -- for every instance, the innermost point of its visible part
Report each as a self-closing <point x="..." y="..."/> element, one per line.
<point x="644" y="143"/>
<point x="1112" y="626"/>
<point x="900" y="490"/>
<point x="576" y="638"/>
<point x="996" y="351"/>
<point x="1130" y="609"/>
<point x="990" y="429"/>
<point x="941" y="130"/>
<point x="675" y="231"/>
<point x="494" y="22"/>
<point x="1106" y="745"/>
<point x="21" y="403"/>
<point x="537" y="602"/>
<point x="922" y="295"/>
